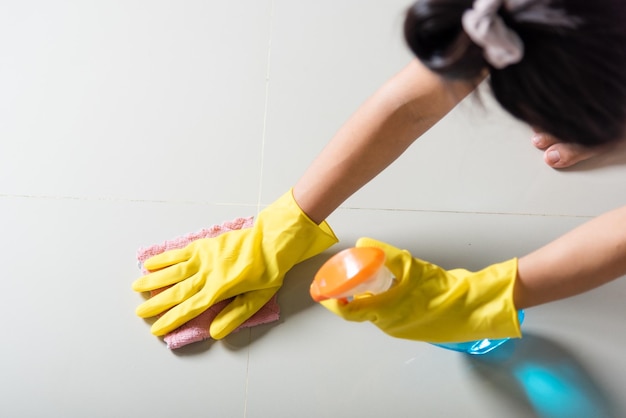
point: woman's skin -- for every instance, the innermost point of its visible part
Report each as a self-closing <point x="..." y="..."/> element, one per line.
<point x="559" y="154"/>
<point x="402" y="110"/>
<point x="584" y="258"/>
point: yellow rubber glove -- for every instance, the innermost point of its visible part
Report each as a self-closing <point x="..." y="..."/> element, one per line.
<point x="433" y="305"/>
<point x="248" y="264"/>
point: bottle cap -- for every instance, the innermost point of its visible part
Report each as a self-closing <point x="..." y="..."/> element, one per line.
<point x="346" y="270"/>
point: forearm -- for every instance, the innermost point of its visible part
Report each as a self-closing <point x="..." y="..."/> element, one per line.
<point x="587" y="257"/>
<point x="376" y="135"/>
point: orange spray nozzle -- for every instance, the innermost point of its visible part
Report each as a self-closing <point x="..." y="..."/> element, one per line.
<point x="346" y="270"/>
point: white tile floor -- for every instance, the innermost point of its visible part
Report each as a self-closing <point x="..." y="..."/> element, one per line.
<point x="124" y="123"/>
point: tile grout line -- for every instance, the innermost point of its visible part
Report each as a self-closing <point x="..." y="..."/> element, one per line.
<point x="247" y="381"/>
<point x="262" y="164"/>
<point x="257" y="205"/>
<point x="265" y="109"/>
<point x="469" y="212"/>
<point x="119" y="199"/>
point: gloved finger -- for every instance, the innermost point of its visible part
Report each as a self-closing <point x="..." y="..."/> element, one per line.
<point x="168" y="258"/>
<point x="350" y="311"/>
<point x="239" y="311"/>
<point x="170" y="297"/>
<point x="163" y="278"/>
<point x="187" y="309"/>
<point x="337" y="307"/>
<point x="397" y="260"/>
<point x="390" y="250"/>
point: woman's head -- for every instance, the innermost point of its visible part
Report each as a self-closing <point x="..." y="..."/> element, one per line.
<point x="571" y="79"/>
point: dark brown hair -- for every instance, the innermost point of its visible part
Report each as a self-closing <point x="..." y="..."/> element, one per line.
<point x="571" y="81"/>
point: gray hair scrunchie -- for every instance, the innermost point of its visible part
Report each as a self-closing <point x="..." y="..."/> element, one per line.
<point x="501" y="45"/>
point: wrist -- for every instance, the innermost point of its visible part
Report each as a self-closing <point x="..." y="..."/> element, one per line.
<point x="295" y="236"/>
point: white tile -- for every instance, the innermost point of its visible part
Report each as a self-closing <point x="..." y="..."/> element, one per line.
<point x="133" y="99"/>
<point x="72" y="340"/>
<point x="326" y="59"/>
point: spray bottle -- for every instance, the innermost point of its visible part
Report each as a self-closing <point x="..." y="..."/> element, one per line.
<point x="360" y="272"/>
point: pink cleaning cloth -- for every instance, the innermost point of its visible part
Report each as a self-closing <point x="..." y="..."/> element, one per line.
<point x="197" y="329"/>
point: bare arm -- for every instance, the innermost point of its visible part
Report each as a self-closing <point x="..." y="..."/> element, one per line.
<point x="376" y="135"/>
<point x="587" y="257"/>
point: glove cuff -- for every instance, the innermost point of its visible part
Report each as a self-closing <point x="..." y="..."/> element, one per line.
<point x="296" y="237"/>
<point x="489" y="303"/>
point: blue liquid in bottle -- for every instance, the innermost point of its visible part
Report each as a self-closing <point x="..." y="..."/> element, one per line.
<point x="479" y="346"/>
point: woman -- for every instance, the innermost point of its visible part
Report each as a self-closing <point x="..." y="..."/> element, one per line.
<point x="556" y="64"/>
